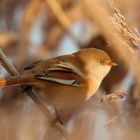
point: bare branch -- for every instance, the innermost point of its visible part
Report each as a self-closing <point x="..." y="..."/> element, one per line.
<point x="5" y="63"/>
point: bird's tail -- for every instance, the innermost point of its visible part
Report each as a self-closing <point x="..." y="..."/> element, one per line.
<point x="14" y="81"/>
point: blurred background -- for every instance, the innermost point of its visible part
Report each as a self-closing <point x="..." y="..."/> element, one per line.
<point x="32" y="30"/>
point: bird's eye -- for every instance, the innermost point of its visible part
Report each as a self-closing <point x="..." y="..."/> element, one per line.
<point x="101" y="62"/>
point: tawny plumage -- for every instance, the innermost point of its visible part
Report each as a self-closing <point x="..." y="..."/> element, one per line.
<point x="66" y="81"/>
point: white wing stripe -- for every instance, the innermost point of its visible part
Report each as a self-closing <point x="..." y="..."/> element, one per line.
<point x="61" y="81"/>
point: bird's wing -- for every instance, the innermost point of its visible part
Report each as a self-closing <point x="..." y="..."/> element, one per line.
<point x="63" y="73"/>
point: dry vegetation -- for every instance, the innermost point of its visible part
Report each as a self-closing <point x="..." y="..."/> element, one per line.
<point x="41" y="29"/>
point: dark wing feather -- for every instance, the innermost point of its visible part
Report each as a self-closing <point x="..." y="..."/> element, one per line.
<point x="61" y="73"/>
<point x="32" y="66"/>
<point x="60" y="80"/>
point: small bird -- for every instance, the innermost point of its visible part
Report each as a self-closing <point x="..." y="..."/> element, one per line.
<point x="66" y="81"/>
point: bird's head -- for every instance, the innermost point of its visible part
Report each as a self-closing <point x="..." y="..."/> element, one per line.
<point x="97" y="62"/>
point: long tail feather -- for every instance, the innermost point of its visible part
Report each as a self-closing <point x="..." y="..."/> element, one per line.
<point x="2" y="82"/>
<point x="14" y="81"/>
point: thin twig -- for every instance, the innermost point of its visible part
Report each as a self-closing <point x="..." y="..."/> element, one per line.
<point x="5" y="63"/>
<point x="11" y="69"/>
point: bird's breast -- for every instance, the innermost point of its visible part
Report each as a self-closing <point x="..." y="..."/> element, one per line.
<point x="92" y="86"/>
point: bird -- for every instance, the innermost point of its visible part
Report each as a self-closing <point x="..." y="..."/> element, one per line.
<point x="66" y="81"/>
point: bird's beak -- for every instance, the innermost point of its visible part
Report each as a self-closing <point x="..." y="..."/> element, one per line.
<point x="111" y="64"/>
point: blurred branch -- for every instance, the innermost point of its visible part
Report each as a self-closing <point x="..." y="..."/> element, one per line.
<point x="31" y="13"/>
<point x="62" y="18"/>
<point x="10" y="68"/>
<point x="54" y="33"/>
<point x="8" y="39"/>
<point x="115" y="119"/>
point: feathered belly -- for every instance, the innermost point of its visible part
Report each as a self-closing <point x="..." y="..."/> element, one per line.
<point x="63" y="96"/>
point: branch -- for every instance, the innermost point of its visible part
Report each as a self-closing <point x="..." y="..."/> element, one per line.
<point x="11" y="69"/>
<point x="5" y="63"/>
